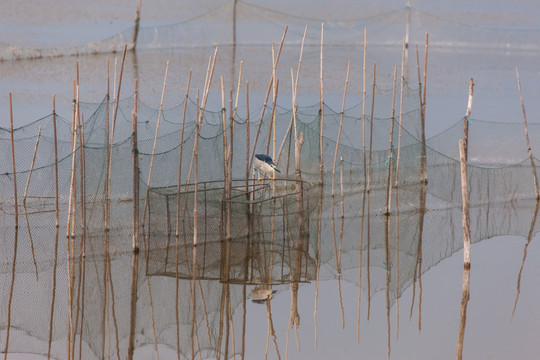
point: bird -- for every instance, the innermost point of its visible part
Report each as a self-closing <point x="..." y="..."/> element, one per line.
<point x="266" y="164"/>
<point x="260" y="295"/>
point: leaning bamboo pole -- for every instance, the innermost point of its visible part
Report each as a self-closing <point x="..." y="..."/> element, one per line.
<point x="529" y="150"/>
<point x="270" y="85"/>
<point x="24" y="203"/>
<point x="16" y="235"/>
<point x="341" y="116"/>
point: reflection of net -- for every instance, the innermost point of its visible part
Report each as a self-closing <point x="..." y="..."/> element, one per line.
<point x="496" y="181"/>
<point x="256" y="25"/>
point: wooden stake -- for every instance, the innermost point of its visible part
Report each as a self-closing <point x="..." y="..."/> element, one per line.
<point x="321" y="112"/>
<point x="466" y="250"/>
<point x="361" y="240"/>
<point x="16" y="238"/>
<point x="57" y="215"/>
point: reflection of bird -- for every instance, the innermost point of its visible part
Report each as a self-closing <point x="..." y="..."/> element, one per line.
<point x="264" y="162"/>
<point x="259" y="295"/>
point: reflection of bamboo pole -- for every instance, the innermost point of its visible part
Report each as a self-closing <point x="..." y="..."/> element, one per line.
<point x="16" y="238"/>
<point x="24" y="203"/>
<point x="529" y="238"/>
<point x="529" y="150"/>
<point x="135" y="236"/>
<point x="466" y="250"/>
<point x="57" y="226"/>
<point x="364" y="189"/>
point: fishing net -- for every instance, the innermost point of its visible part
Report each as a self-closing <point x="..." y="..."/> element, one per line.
<point x="253" y="234"/>
<point x="233" y="23"/>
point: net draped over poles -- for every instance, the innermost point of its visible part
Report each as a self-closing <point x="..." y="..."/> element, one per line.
<point x="273" y="236"/>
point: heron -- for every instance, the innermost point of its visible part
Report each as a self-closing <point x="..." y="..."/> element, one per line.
<point x="266" y="164"/>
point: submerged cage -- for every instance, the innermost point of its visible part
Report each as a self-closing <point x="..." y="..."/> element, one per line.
<point x="259" y="234"/>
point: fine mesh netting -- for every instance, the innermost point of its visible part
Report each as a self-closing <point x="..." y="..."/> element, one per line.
<point x="254" y="234"/>
<point x="249" y="23"/>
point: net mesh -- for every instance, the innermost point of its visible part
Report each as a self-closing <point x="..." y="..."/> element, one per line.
<point x="279" y="232"/>
<point x="233" y="23"/>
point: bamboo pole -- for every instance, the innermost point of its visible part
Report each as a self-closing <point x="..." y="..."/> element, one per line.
<point x="177" y="232"/>
<point x="107" y="217"/>
<point x="466" y="250"/>
<point x="135" y="235"/>
<point x="321" y="115"/>
<point x="247" y="136"/>
<point x="82" y="257"/>
<point x="342" y="114"/>
<point x="57" y="227"/>
<point x="368" y="189"/>
<point x="136" y="27"/>
<point x="321" y="188"/>
<point x="270" y="85"/>
<point x="529" y="150"/>
<point x="361" y="238"/>
<point x="16" y="237"/>
<point x="69" y="249"/>
<point x="24" y="203"/>
<point x="396" y="183"/>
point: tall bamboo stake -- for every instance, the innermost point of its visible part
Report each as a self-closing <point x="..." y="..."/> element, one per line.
<point x="529" y="150"/>
<point x="396" y="183"/>
<point x="361" y="241"/>
<point x="321" y="111"/>
<point x="82" y="257"/>
<point x="177" y="232"/>
<point x="135" y="235"/>
<point x="466" y="250"/>
<point x="57" y="226"/>
<point x="71" y="200"/>
<point x="368" y="189"/>
<point x="16" y="237"/>
<point x="321" y="179"/>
